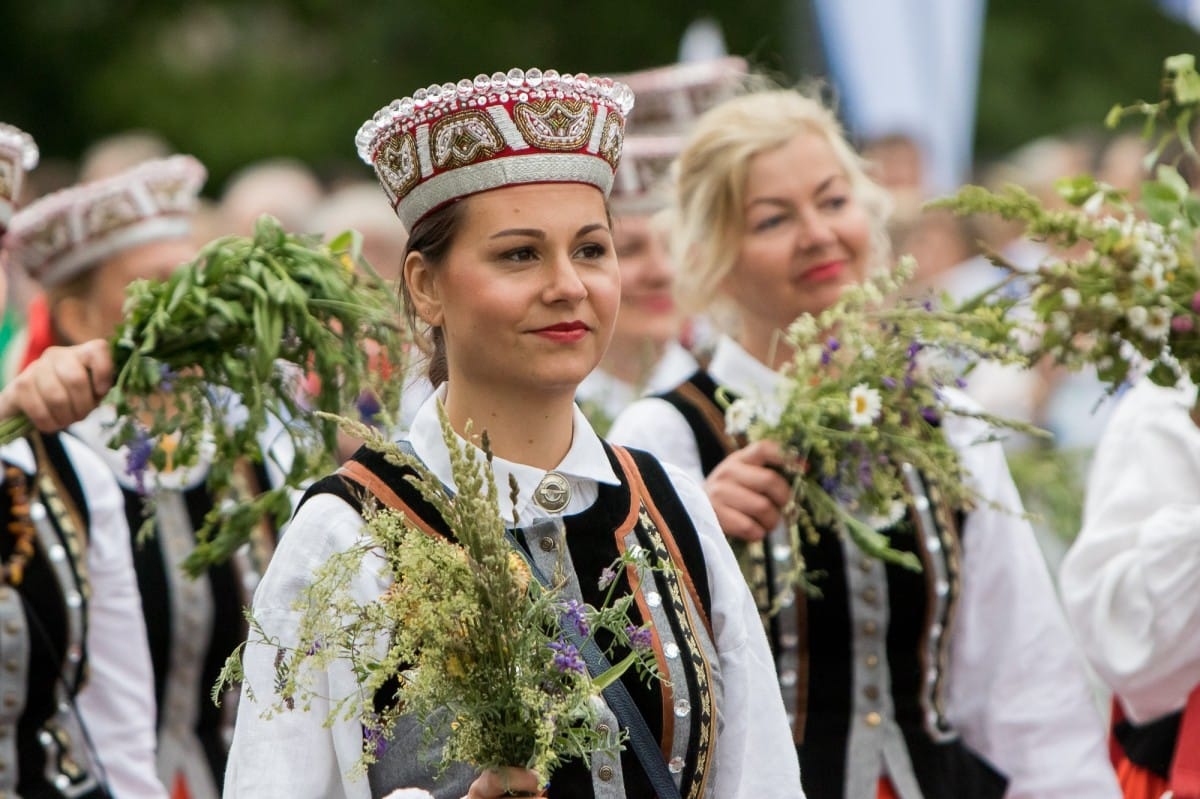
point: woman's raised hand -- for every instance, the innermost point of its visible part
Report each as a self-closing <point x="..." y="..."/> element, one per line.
<point x="61" y="387"/>
<point x="748" y="491"/>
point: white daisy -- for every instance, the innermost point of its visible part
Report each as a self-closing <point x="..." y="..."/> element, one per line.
<point x="1137" y="316"/>
<point x="1158" y="323"/>
<point x="738" y="417"/>
<point x="865" y="404"/>
<point x="1149" y="275"/>
<point x="1070" y="298"/>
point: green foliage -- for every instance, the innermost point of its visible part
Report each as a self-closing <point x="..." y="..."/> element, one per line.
<point x="861" y="406"/>
<point x="469" y="638"/>
<point x="1121" y="290"/>
<point x="211" y="358"/>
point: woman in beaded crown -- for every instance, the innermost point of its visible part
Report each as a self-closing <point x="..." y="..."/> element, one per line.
<point x="510" y="269"/>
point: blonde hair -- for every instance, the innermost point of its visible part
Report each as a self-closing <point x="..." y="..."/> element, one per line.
<point x="709" y="182"/>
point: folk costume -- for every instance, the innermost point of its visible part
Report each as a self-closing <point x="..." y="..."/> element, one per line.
<point x="720" y="735"/>
<point x="1130" y="586"/>
<point x="76" y="707"/>
<point x="192" y="624"/>
<point x="957" y="681"/>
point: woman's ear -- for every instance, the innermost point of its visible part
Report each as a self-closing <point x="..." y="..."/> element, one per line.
<point x="72" y="320"/>
<point x="420" y="277"/>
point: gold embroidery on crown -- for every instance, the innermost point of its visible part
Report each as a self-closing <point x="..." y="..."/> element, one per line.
<point x="171" y="194"/>
<point x="398" y="166"/>
<point x="611" y="140"/>
<point x="7" y="187"/>
<point x="110" y="213"/>
<point x="464" y="138"/>
<point x="555" y="124"/>
<point x="51" y="238"/>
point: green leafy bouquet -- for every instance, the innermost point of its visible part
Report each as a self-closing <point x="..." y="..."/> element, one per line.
<point x="475" y="648"/>
<point x="1121" y="289"/>
<point x="860" y="409"/>
<point x="211" y="358"/>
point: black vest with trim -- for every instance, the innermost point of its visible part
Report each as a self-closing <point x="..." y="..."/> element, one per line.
<point x="228" y="629"/>
<point x="592" y="545"/>
<point x="944" y="767"/>
<point x="40" y="761"/>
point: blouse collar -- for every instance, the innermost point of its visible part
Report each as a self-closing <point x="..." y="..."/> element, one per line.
<point x="585" y="466"/>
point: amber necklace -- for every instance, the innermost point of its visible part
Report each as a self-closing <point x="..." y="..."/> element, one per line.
<point x="12" y="571"/>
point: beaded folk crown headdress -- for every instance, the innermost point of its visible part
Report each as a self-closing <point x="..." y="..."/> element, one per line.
<point x="18" y="155"/>
<point x="70" y="231"/>
<point x="670" y="99"/>
<point x="524" y="126"/>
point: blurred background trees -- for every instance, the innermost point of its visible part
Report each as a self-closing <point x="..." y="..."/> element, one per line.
<point x="233" y="81"/>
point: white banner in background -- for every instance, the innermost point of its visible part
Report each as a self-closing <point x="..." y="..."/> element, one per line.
<point x="1183" y="10"/>
<point x="909" y="67"/>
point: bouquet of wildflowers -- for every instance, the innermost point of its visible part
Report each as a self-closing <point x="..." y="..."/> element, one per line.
<point x="475" y="648"/>
<point x="211" y="358"/>
<point x="861" y="407"/>
<point x="1121" y="291"/>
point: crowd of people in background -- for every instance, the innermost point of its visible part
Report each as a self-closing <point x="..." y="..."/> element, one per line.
<point x="1009" y="709"/>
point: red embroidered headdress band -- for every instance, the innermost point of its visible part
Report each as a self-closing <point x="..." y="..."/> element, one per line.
<point x="18" y="155"/>
<point x="524" y="126"/>
<point x="68" y="232"/>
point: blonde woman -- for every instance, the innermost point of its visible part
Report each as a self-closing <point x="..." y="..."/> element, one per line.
<point x="959" y="681"/>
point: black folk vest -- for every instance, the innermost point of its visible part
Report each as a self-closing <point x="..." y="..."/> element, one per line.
<point x="43" y="629"/>
<point x="681" y="711"/>
<point x="862" y="667"/>
<point x="192" y="624"/>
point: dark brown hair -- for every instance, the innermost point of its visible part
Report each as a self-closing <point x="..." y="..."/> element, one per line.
<point x="431" y="236"/>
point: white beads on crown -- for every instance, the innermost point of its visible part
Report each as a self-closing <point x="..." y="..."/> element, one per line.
<point x="18" y="141"/>
<point x="426" y="105"/>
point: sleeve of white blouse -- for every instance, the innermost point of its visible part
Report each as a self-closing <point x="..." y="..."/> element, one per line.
<point x="1131" y="580"/>
<point x="1017" y="689"/>
<point x="654" y="425"/>
<point x="295" y="754"/>
<point x="756" y="758"/>
<point x="117" y="703"/>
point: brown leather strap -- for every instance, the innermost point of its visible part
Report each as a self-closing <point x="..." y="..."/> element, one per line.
<point x="637" y="489"/>
<point x="358" y="473"/>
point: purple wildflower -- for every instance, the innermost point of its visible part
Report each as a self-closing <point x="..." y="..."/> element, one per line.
<point x="927" y="305"/>
<point x="832" y="344"/>
<point x="606" y="577"/>
<point x="908" y="380"/>
<point x="368" y="406"/>
<point x="958" y="381"/>
<point x="931" y="415"/>
<point x="373" y="740"/>
<point x="138" y="458"/>
<point x="913" y="349"/>
<point x="888" y="382"/>
<point x="639" y="637"/>
<point x="1182" y="324"/>
<point x="566" y="657"/>
<point x="316" y="647"/>
<point x="829" y="484"/>
<point x="167" y="377"/>
<point x="866" y="476"/>
<point x="575" y="612"/>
